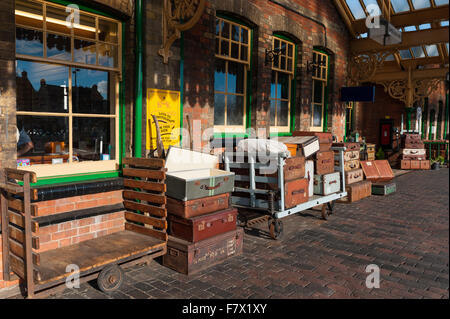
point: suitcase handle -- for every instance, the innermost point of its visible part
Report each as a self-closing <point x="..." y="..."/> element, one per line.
<point x="301" y="191"/>
<point x="333" y="182"/>
<point x="173" y="252"/>
<point x="210" y="188"/>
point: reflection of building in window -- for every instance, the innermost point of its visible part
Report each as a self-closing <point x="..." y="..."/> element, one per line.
<point x="319" y="99"/>
<point x="280" y="93"/>
<point x="232" y="64"/>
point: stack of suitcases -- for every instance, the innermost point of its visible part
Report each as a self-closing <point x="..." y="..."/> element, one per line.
<point x="326" y="181"/>
<point x="370" y="149"/>
<point x="202" y="224"/>
<point x="356" y="187"/>
<point x="413" y="153"/>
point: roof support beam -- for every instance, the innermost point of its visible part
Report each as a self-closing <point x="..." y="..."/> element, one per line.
<point x="410" y="39"/>
<point x="408" y="18"/>
<point x="416" y="74"/>
<point x="346" y="17"/>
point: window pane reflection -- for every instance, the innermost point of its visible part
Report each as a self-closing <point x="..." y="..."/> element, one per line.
<point x="59" y="47"/>
<point x="91" y="91"/>
<point x="92" y="138"/>
<point x="29" y="42"/>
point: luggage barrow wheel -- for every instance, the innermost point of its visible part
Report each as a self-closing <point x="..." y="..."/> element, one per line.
<point x="275" y="228"/>
<point x="110" y="278"/>
<point x="331" y="206"/>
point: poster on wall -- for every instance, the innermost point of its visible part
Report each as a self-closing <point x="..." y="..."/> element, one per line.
<point x="165" y="105"/>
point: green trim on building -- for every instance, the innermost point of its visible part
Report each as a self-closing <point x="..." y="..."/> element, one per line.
<point x="75" y="178"/>
<point x="139" y="82"/>
<point x="82" y="7"/>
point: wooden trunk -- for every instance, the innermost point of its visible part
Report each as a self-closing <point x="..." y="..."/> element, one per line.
<point x="203" y="227"/>
<point x="325" y="147"/>
<point x="405" y="164"/>
<point x="327" y="184"/>
<point x="370" y="170"/>
<point x="296" y="192"/>
<point x="351" y="165"/>
<point x="425" y="165"/>
<point x="371" y="148"/>
<point x="384" y="189"/>
<point x="354" y="176"/>
<point x="359" y="191"/>
<point x="385" y="172"/>
<point x="294" y="168"/>
<point x="324" y="163"/>
<point x="414" y="157"/>
<point x="197" y="207"/>
<point x="324" y="138"/>
<point x="415" y="164"/>
<point x="188" y="258"/>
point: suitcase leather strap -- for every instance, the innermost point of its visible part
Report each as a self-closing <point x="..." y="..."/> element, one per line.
<point x="210" y="188"/>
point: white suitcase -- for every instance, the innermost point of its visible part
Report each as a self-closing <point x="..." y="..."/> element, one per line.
<point x="407" y="151"/>
<point x="309" y="174"/>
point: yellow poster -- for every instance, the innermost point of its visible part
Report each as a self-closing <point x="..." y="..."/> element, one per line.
<point x="166" y="106"/>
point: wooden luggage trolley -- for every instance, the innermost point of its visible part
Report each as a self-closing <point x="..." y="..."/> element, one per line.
<point x="266" y="193"/>
<point x="143" y="239"/>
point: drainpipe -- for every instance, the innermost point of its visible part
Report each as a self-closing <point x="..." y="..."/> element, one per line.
<point x="139" y="82"/>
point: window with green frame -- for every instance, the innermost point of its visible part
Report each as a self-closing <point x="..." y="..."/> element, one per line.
<point x="232" y="64"/>
<point x="281" y="93"/>
<point x="319" y="91"/>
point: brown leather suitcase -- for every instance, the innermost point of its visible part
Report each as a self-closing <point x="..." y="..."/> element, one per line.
<point x="425" y="165"/>
<point x="324" y="138"/>
<point x="294" y="168"/>
<point x="351" y="165"/>
<point x="350" y="146"/>
<point x="202" y="227"/>
<point x="385" y="172"/>
<point x="415" y="164"/>
<point x="296" y="192"/>
<point x="370" y="170"/>
<point x="354" y="176"/>
<point x="405" y="164"/>
<point x="358" y="191"/>
<point x="371" y="148"/>
<point x="197" y="207"/>
<point x="189" y="258"/>
<point x="351" y="155"/>
<point x="414" y="157"/>
<point x="324" y="163"/>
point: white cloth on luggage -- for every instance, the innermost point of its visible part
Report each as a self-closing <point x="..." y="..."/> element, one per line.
<point x="262" y="146"/>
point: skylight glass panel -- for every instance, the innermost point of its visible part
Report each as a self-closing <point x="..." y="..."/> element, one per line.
<point x="425" y="26"/>
<point x="421" y="4"/>
<point x="405" y="54"/>
<point x="432" y="50"/>
<point x="418" y="52"/>
<point x="363" y="35"/>
<point x="356" y="9"/>
<point x="400" y="5"/>
<point x="444" y="23"/>
<point x="372" y="7"/>
<point x="410" y="28"/>
<point x="390" y="57"/>
<point x="440" y="2"/>
<point x="447" y="47"/>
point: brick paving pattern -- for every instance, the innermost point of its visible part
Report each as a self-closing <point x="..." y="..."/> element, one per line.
<point x="405" y="234"/>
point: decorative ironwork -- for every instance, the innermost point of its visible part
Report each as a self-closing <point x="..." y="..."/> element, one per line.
<point x="178" y="16"/>
<point x="411" y="93"/>
<point x="362" y="68"/>
<point x="271" y="54"/>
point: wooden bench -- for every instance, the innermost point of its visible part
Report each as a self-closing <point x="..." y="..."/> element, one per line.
<point x="144" y="238"/>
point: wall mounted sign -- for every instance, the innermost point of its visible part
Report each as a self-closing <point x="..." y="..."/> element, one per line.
<point x="358" y="94"/>
<point x="165" y="105"/>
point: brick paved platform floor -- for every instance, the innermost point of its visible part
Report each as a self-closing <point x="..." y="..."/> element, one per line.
<point x="405" y="234"/>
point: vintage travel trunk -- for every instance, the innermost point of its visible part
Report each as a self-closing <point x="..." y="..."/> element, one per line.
<point x="327" y="184"/>
<point x="359" y="191"/>
<point x="405" y="164"/>
<point x="294" y="168"/>
<point x="306" y="145"/>
<point x="417" y="152"/>
<point x="296" y="192"/>
<point x="351" y="165"/>
<point x="350" y="146"/>
<point x="324" y="163"/>
<point x="415" y="164"/>
<point x="370" y="170"/>
<point x="197" y="207"/>
<point x="325" y="147"/>
<point x="414" y="157"/>
<point x="371" y="148"/>
<point x="351" y="155"/>
<point x="324" y="138"/>
<point x="192" y="175"/>
<point x="354" y="176"/>
<point x="309" y="175"/>
<point x="188" y="258"/>
<point x="425" y="165"/>
<point x="203" y="227"/>
<point x="385" y="172"/>
<point x="384" y="189"/>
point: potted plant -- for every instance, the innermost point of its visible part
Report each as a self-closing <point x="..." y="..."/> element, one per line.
<point x="437" y="163"/>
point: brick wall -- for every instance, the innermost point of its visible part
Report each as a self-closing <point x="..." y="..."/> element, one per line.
<point x="266" y="17"/>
